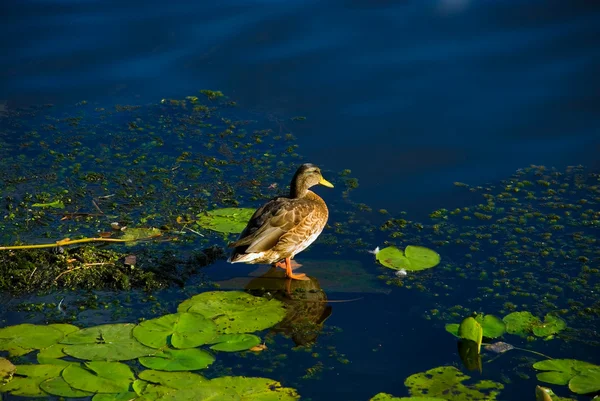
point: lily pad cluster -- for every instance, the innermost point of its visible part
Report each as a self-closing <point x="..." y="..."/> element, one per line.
<point x="227" y="220"/>
<point x="581" y="377"/>
<point x="222" y="320"/>
<point x="413" y="258"/>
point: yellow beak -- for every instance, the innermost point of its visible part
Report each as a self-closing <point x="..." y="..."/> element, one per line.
<point x="325" y="183"/>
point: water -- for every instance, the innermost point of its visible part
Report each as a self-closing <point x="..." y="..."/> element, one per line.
<point x="410" y="96"/>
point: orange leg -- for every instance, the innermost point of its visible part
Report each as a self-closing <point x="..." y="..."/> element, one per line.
<point x="282" y="264"/>
<point x="290" y="274"/>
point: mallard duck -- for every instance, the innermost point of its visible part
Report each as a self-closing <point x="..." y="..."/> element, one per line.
<point x="285" y="225"/>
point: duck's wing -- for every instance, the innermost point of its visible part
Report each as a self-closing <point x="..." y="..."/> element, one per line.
<point x="270" y="222"/>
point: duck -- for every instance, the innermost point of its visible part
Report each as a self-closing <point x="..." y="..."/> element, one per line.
<point x="285" y="225"/>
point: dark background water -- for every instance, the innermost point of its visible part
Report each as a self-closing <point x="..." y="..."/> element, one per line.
<point x="411" y="96"/>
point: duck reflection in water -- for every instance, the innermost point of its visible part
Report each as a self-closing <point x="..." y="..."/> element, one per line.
<point x="305" y="302"/>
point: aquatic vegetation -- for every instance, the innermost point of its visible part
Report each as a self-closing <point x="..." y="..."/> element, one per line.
<point x="582" y="377"/>
<point x="446" y="382"/>
<point x="524" y="324"/>
<point x="492" y="326"/>
<point x="389" y="397"/>
<point x="227" y="220"/>
<point x="413" y="258"/>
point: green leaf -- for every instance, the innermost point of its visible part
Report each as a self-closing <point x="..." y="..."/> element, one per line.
<point x="99" y="377"/>
<point x="393" y="258"/>
<point x="124" y="396"/>
<point x="520" y="323"/>
<point x="56" y="204"/>
<point x="27" y="383"/>
<point x="452" y="328"/>
<point x="58" y="386"/>
<point x="235" y="342"/>
<point x="560" y="371"/>
<point x="586" y="382"/>
<point x="421" y="258"/>
<point x="551" y="325"/>
<point x="184" y="330"/>
<point x="492" y="326"/>
<point x="111" y="342"/>
<point x="227" y="220"/>
<point x="134" y="234"/>
<point x="55" y="351"/>
<point x="64" y="327"/>
<point x="470" y="329"/>
<point x="28" y="337"/>
<point x="448" y="380"/>
<point x="389" y="397"/>
<point x="256" y="388"/>
<point x="235" y="311"/>
<point x="178" y="360"/>
<point x="177" y="380"/>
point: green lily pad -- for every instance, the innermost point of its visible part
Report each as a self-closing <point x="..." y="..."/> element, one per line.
<point x="53" y="352"/>
<point x="389" y="397"/>
<point x="99" y="377"/>
<point x="134" y="234"/>
<point x="26" y="337"/>
<point x="235" y="342"/>
<point x="445" y="380"/>
<point x="452" y="328"/>
<point x="393" y="258"/>
<point x="58" y="386"/>
<point x="256" y="388"/>
<point x="7" y="369"/>
<point x="110" y="342"/>
<point x="177" y="380"/>
<point x="561" y="371"/>
<point x="586" y="382"/>
<point x="412" y="258"/>
<point x="56" y="205"/>
<point x="124" y="396"/>
<point x="471" y="330"/>
<point x="178" y="360"/>
<point x="27" y="383"/>
<point x="493" y="327"/>
<point x="235" y="311"/>
<point x="182" y="330"/>
<point x="520" y="323"/>
<point x="227" y="220"/>
<point x="551" y="325"/>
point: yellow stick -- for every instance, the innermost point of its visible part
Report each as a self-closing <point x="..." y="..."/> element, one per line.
<point x="68" y="241"/>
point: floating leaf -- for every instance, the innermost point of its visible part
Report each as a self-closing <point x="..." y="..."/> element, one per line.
<point x="23" y="338"/>
<point x="27" y="383"/>
<point x="124" y="396"/>
<point x="551" y="325"/>
<point x="445" y="380"/>
<point x="389" y="397"/>
<point x="421" y="258"/>
<point x="178" y="360"/>
<point x="52" y="354"/>
<point x="227" y="220"/>
<point x="470" y="329"/>
<point x="134" y="234"/>
<point x="520" y="323"/>
<point x="177" y="380"/>
<point x="58" y="386"/>
<point x="492" y="326"/>
<point x="235" y="311"/>
<point x="256" y="388"/>
<point x="111" y="342"/>
<point x="56" y="204"/>
<point x="7" y="369"/>
<point x="560" y="371"/>
<point x="99" y="377"/>
<point x="452" y="328"/>
<point x="184" y="330"/>
<point x="64" y="327"/>
<point x="586" y="382"/>
<point x="235" y="342"/>
<point x="393" y="258"/>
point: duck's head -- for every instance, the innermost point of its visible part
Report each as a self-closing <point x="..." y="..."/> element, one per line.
<point x="307" y="175"/>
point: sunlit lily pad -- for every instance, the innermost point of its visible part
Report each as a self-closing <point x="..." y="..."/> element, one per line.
<point x="178" y="360"/>
<point x="176" y="380"/>
<point x="109" y="342"/>
<point x="124" y="396"/>
<point x="492" y="326"/>
<point x="52" y="354"/>
<point x="256" y="388"/>
<point x="551" y="325"/>
<point x="389" y="397"/>
<point x="27" y="383"/>
<point x="471" y="330"/>
<point x="586" y="382"/>
<point x="227" y="220"/>
<point x="520" y="323"/>
<point x="235" y="311"/>
<point x="235" y="342"/>
<point x="181" y="330"/>
<point x="23" y="338"/>
<point x="133" y="234"/>
<point x="444" y="380"/>
<point x="58" y="386"/>
<point x="99" y="377"/>
<point x="561" y="371"/>
<point x="413" y="258"/>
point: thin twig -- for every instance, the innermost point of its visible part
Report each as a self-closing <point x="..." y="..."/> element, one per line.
<point x="194" y="231"/>
<point x="97" y="207"/>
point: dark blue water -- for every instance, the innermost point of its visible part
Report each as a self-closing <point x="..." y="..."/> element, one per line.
<point x="411" y="96"/>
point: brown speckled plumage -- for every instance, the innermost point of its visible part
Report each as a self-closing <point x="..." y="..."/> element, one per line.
<point x="285" y="225"/>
